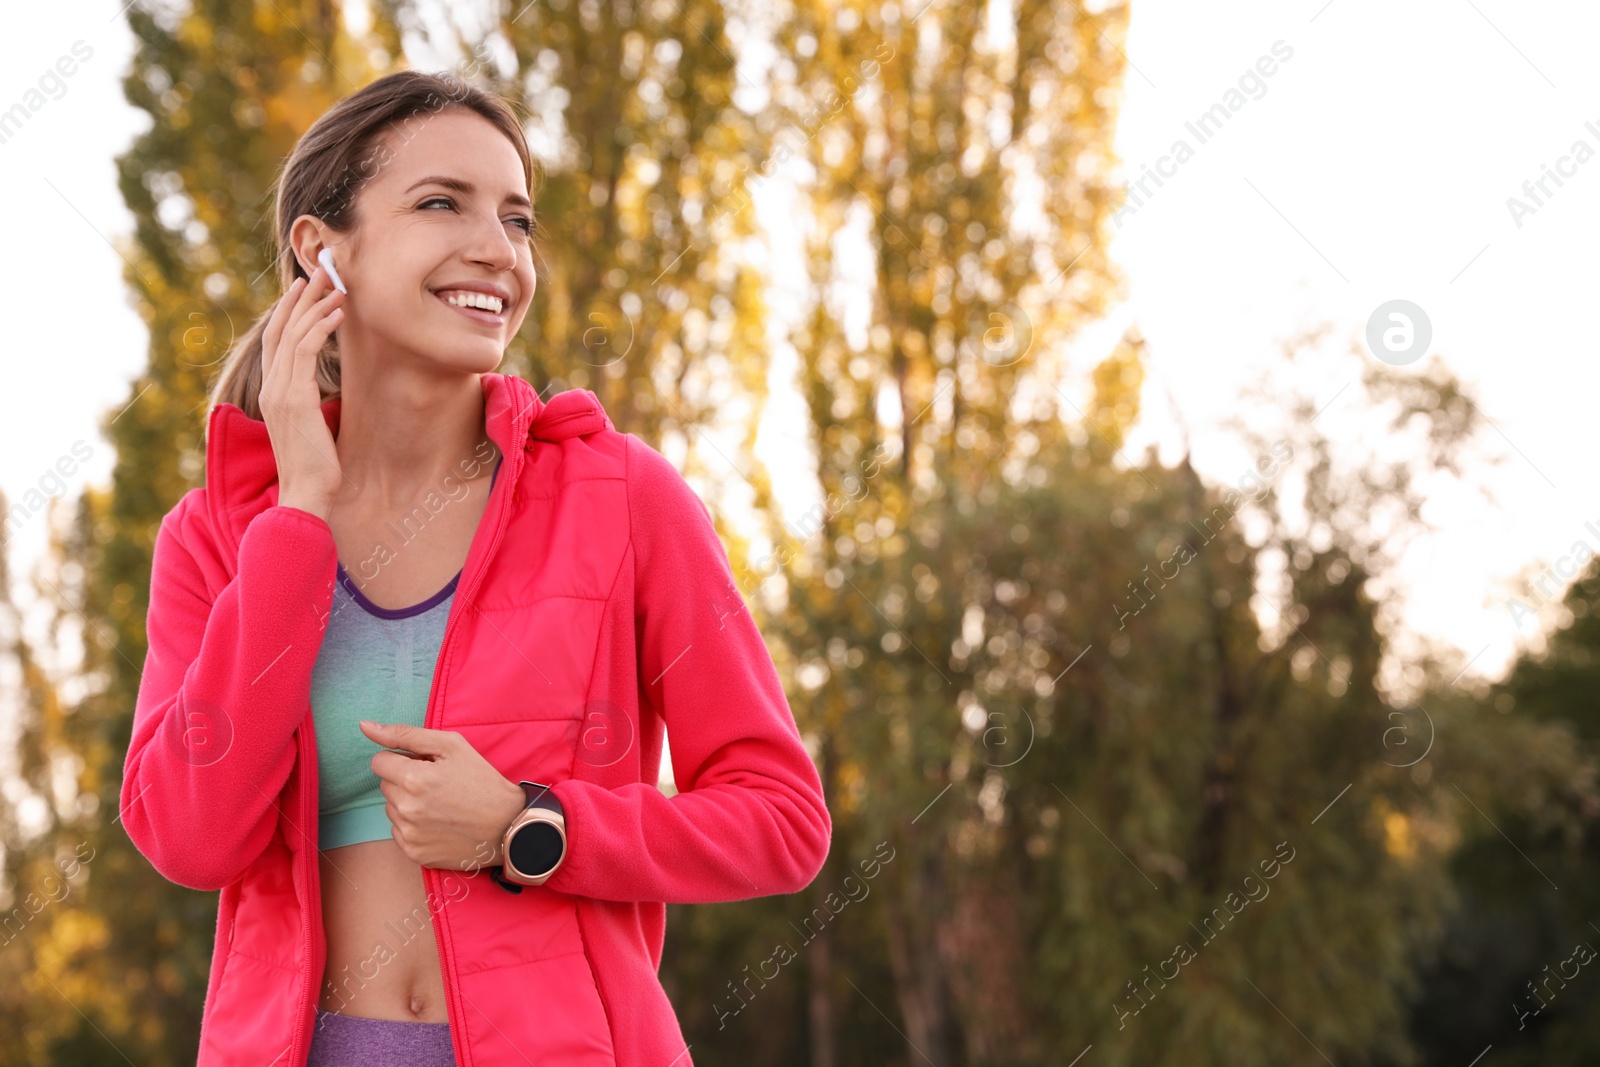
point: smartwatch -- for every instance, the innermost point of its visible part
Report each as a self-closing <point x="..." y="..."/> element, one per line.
<point x="535" y="843"/>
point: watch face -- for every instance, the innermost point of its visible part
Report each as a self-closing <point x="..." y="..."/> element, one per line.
<point x="535" y="848"/>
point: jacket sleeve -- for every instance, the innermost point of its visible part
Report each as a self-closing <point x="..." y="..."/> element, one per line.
<point x="225" y="683"/>
<point x="749" y="817"/>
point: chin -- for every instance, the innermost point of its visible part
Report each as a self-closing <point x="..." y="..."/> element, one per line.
<point x="478" y="355"/>
<point x="481" y="360"/>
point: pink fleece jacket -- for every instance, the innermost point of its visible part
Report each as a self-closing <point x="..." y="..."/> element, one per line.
<point x="596" y="606"/>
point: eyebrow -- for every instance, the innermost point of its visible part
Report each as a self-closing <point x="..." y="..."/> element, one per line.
<point x="466" y="188"/>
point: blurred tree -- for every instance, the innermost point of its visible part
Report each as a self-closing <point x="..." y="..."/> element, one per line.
<point x="943" y="287"/>
<point x="121" y="971"/>
<point x="1070" y="648"/>
<point x="1510" y="971"/>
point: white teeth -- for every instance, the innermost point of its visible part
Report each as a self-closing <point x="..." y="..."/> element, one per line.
<point x="465" y="298"/>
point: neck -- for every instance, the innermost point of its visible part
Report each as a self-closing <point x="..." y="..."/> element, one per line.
<point x="402" y="435"/>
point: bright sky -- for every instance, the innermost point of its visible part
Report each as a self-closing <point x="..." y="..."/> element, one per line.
<point x="1377" y="165"/>
<point x="1373" y="164"/>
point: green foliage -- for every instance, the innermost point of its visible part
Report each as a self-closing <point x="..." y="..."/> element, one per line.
<point x="1528" y="873"/>
<point x="1053" y="695"/>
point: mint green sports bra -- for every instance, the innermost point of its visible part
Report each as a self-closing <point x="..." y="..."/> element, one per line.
<point x="375" y="663"/>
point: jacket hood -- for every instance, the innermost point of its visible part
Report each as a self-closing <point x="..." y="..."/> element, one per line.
<point x="241" y="466"/>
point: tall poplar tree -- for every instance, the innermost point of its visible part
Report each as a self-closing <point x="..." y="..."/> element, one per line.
<point x="962" y="179"/>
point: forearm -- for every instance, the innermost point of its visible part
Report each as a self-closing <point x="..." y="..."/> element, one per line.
<point x="715" y="843"/>
<point x="214" y="721"/>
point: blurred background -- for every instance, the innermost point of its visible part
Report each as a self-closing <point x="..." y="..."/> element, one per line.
<point x="1149" y="436"/>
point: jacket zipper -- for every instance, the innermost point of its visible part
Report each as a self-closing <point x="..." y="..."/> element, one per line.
<point x="308" y="767"/>
<point x="431" y="875"/>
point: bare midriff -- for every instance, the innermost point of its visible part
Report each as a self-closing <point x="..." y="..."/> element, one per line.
<point x="383" y="961"/>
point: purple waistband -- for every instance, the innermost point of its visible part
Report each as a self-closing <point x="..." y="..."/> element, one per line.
<point x="352" y="1041"/>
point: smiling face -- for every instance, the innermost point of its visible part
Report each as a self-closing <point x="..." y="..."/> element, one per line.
<point x="442" y="227"/>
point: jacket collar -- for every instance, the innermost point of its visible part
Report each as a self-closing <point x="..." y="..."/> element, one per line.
<point x="241" y="467"/>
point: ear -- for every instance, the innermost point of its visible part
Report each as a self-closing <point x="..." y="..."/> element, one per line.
<point x="308" y="236"/>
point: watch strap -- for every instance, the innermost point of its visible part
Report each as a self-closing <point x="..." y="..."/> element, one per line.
<point x="497" y="872"/>
<point x="537" y="795"/>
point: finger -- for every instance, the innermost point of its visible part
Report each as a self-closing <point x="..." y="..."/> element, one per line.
<point x="402" y="750"/>
<point x="293" y="328"/>
<point x="307" y="291"/>
<point x="312" y="289"/>
<point x="310" y="320"/>
<point x="417" y="739"/>
<point x="275" y="324"/>
<point x="280" y="313"/>
<point x="324" y="318"/>
<point x="390" y="767"/>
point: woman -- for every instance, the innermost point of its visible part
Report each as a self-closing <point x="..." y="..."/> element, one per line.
<point x="520" y="598"/>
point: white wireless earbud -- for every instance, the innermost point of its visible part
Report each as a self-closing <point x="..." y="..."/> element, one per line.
<point x="325" y="257"/>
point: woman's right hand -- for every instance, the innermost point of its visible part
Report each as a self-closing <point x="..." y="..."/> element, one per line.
<point x="291" y="403"/>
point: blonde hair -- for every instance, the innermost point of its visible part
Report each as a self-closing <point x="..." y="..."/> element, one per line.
<point x="330" y="164"/>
